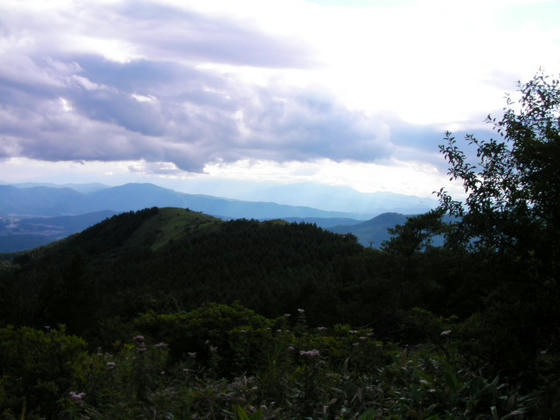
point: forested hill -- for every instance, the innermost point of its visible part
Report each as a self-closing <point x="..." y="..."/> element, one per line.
<point x="174" y="259"/>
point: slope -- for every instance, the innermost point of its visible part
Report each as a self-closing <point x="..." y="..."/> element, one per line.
<point x="372" y="232"/>
<point x="175" y="259"/>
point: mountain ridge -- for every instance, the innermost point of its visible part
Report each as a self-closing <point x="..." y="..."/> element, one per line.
<point x="45" y="201"/>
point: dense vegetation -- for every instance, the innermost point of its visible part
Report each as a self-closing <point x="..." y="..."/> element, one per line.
<point x="174" y="314"/>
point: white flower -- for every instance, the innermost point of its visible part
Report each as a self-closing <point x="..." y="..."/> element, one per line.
<point x="77" y="397"/>
<point x="309" y="353"/>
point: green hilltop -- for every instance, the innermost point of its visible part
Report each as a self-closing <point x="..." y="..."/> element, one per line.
<point x="171" y="224"/>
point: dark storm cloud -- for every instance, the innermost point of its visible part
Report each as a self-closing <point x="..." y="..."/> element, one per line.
<point x="59" y="103"/>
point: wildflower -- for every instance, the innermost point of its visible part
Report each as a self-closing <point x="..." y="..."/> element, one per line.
<point x="287" y="315"/>
<point x="309" y="353"/>
<point x="301" y="310"/>
<point x="111" y="365"/>
<point x="445" y="333"/>
<point x="159" y="345"/>
<point x="141" y="349"/>
<point x="243" y="331"/>
<point x="192" y="354"/>
<point x="139" y="338"/>
<point x="213" y="349"/>
<point x="353" y="331"/>
<point x="291" y="348"/>
<point x="77" y="397"/>
<point x="370" y="334"/>
<point x="355" y="344"/>
<point x="321" y="328"/>
<point x="423" y="382"/>
<point x="363" y="338"/>
<point x="278" y="330"/>
<point x="162" y="372"/>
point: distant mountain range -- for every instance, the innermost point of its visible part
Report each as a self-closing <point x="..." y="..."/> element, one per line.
<point x="32" y="215"/>
<point x="340" y="198"/>
<point x="49" y="201"/>
<point x="74" y="199"/>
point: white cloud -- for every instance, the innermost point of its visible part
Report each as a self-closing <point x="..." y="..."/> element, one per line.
<point x="144" y="98"/>
<point x="66" y="106"/>
<point x="412" y="178"/>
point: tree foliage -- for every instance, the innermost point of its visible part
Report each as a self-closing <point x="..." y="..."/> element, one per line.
<point x="513" y="190"/>
<point x="510" y="220"/>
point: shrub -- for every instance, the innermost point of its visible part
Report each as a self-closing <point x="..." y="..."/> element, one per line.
<point x="36" y="368"/>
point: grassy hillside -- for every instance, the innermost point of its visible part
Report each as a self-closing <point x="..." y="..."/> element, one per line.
<point x="173" y="224"/>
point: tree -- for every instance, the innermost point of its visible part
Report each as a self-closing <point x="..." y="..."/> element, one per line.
<point x="513" y="191"/>
<point x="510" y="220"/>
<point x="416" y="234"/>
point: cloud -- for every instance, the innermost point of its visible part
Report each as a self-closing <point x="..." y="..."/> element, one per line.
<point x="195" y="37"/>
<point x="130" y="81"/>
<point x="187" y="117"/>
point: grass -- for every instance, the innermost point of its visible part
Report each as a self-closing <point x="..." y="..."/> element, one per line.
<point x="172" y="224"/>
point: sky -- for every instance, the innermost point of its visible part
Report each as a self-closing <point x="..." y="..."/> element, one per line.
<point x="183" y="93"/>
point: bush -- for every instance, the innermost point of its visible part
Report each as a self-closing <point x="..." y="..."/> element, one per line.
<point x="234" y="335"/>
<point x="37" y="368"/>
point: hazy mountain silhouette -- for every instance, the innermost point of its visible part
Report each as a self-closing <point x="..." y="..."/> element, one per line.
<point x="374" y="231"/>
<point x="47" y="201"/>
